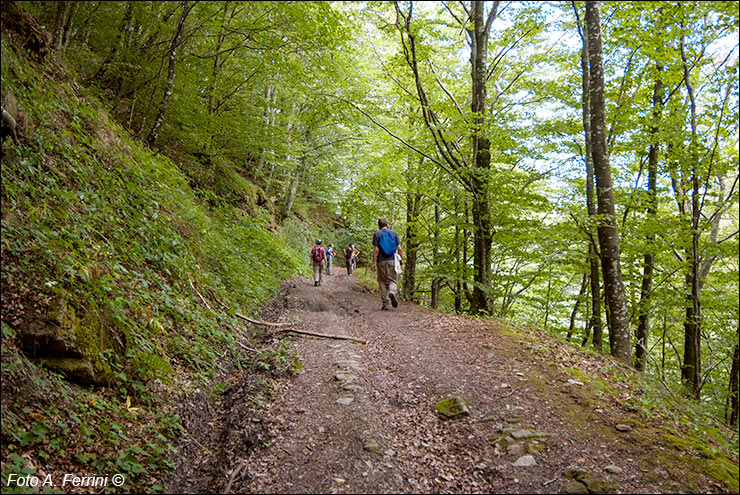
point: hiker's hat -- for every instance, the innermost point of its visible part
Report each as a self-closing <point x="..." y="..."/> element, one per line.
<point x="318" y="241"/>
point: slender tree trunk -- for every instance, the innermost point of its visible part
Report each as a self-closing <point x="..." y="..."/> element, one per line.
<point x="436" y="282"/>
<point x="459" y="274"/>
<point x="62" y="8"/>
<point x="411" y="250"/>
<point x="215" y="74"/>
<point x="593" y="257"/>
<point x="547" y="300"/>
<point x="608" y="236"/>
<point x="662" y="345"/>
<point x="643" y="326"/>
<point x="216" y="68"/>
<point x="172" y="49"/>
<point x="586" y="334"/>
<point x="595" y="282"/>
<point x="68" y="23"/>
<point x="293" y="189"/>
<point x="584" y="285"/>
<point x="83" y="34"/>
<point x="691" y="369"/>
<point x="269" y="120"/>
<point x="295" y="181"/>
<point x="412" y="238"/>
<point x="465" y="268"/>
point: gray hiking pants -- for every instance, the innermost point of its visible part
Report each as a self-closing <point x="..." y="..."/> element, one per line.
<point x="318" y="267"/>
<point x="387" y="280"/>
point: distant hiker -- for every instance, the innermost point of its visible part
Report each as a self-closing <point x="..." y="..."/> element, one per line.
<point x="318" y="256"/>
<point x="385" y="246"/>
<point x="329" y="257"/>
<point x="350" y="255"/>
<point x="355" y="257"/>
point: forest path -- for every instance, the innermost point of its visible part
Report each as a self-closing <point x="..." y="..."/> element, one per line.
<point x="360" y="418"/>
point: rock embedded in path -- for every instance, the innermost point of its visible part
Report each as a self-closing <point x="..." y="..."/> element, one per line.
<point x="349" y="364"/>
<point x="345" y="401"/>
<point x="519" y="434"/>
<point x="590" y="482"/>
<point x="623" y="428"/>
<point x="451" y="408"/>
<point x="371" y="446"/>
<point x="525" y="461"/>
<point x="514" y="449"/>
<point x="611" y="468"/>
<point x="344" y="378"/>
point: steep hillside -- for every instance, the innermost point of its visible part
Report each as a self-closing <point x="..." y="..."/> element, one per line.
<point x="108" y="249"/>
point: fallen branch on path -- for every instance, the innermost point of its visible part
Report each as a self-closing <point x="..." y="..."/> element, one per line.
<point x="250" y="320"/>
<point x="278" y="325"/>
<point x="260" y="322"/>
<point x="324" y="335"/>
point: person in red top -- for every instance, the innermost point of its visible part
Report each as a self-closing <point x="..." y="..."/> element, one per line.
<point x="318" y="257"/>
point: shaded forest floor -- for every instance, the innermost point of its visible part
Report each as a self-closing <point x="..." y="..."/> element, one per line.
<point x="544" y="416"/>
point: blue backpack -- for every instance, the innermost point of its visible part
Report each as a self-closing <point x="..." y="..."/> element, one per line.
<point x="387" y="243"/>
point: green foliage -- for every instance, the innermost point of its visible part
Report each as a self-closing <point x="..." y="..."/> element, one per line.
<point x="281" y="357"/>
<point x="537" y="178"/>
<point x="262" y="128"/>
<point x="112" y="240"/>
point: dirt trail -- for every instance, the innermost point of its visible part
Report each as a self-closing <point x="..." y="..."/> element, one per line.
<point x="360" y="418"/>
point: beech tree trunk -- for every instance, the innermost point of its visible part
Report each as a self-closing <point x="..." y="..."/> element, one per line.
<point x="593" y="257"/>
<point x="691" y="369"/>
<point x="621" y="347"/>
<point x="172" y="55"/>
<point x="411" y="249"/>
<point x="459" y="256"/>
<point x="436" y="282"/>
<point x="293" y="189"/>
<point x="483" y="234"/>
<point x="57" y="36"/>
<point x="643" y="326"/>
<point x="412" y="240"/>
<point x="68" y="23"/>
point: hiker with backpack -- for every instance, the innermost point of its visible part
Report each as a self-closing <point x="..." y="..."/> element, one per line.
<point x="385" y="246"/>
<point x="329" y="257"/>
<point x="318" y="256"/>
<point x="350" y="254"/>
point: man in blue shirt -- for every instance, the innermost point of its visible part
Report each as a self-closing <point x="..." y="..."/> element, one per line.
<point x="385" y="245"/>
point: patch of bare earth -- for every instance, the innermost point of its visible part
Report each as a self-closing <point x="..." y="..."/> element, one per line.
<point x="361" y="419"/>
